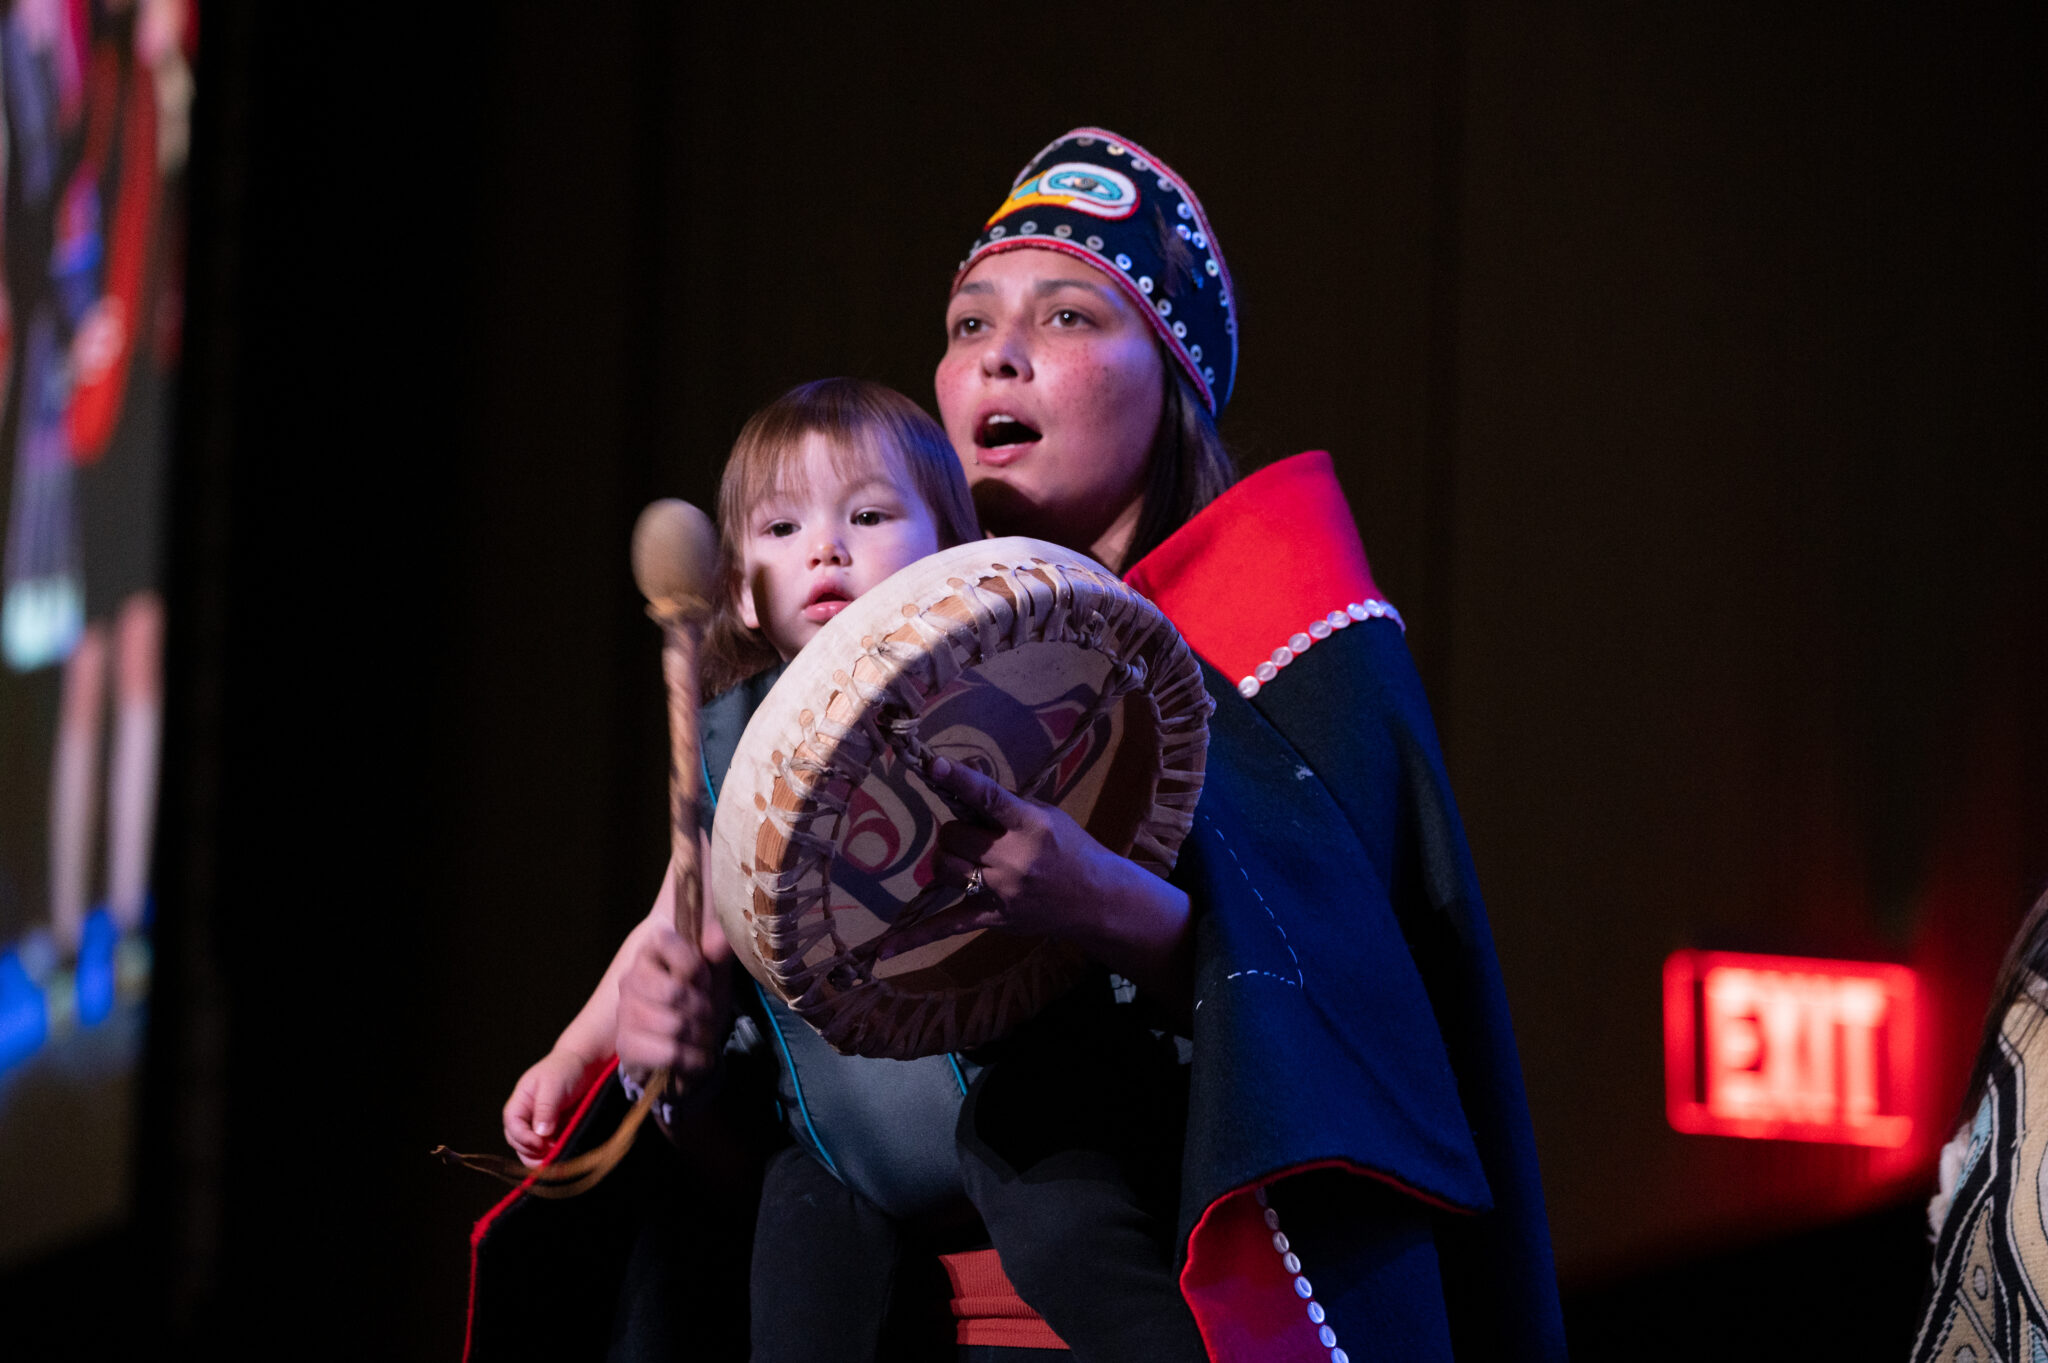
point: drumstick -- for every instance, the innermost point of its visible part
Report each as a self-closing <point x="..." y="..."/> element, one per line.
<point x="674" y="558"/>
<point x="675" y="554"/>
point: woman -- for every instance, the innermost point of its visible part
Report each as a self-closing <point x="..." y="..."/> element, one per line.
<point x="1358" y="1165"/>
<point x="1368" y="1049"/>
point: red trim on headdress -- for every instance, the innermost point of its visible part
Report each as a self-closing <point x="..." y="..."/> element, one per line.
<point x="1187" y="191"/>
<point x="1145" y="305"/>
<point x="1267" y="560"/>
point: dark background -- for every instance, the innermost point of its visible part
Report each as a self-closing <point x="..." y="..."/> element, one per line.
<point x="1683" y="365"/>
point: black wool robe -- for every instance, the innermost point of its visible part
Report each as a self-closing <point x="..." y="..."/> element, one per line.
<point x="1360" y="1177"/>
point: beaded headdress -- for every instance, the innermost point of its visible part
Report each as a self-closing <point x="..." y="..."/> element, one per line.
<point x="1107" y="200"/>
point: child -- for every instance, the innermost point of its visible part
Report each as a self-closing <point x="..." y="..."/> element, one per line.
<point x="829" y="490"/>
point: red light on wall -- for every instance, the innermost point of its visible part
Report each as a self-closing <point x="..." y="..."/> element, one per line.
<point x="1788" y="1048"/>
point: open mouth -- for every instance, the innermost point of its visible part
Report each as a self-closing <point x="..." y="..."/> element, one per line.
<point x="996" y="432"/>
<point x="825" y="603"/>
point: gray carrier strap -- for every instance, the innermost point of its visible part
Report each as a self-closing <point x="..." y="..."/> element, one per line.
<point x="720" y="723"/>
<point x="883" y="1127"/>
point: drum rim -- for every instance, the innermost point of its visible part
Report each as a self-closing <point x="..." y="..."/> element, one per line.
<point x="762" y="908"/>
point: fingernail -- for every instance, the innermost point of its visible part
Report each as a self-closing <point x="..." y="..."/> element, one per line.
<point x="544" y="1128"/>
<point x="941" y="766"/>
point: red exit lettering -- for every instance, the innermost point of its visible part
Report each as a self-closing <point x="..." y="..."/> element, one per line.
<point x="1788" y="1048"/>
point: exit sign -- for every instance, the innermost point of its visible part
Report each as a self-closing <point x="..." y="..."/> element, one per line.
<point x="1789" y="1048"/>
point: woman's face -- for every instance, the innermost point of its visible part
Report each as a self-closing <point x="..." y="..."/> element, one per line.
<point x="1050" y="390"/>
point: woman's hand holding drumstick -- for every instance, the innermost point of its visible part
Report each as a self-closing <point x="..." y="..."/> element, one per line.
<point x="1042" y="874"/>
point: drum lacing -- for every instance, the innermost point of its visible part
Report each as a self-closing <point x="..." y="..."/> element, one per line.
<point x="1171" y="693"/>
<point x="795" y="934"/>
<point x="806" y="774"/>
<point x="786" y="884"/>
<point x="899" y="731"/>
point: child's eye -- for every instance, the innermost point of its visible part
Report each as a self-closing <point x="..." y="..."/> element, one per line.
<point x="869" y="518"/>
<point x="781" y="529"/>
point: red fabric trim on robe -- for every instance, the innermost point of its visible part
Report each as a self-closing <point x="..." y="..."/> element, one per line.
<point x="1245" y="1301"/>
<point x="1289" y="519"/>
<point x="1292" y="522"/>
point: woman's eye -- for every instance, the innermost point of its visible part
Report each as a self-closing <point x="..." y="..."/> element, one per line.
<point x="1067" y="317"/>
<point x="968" y="326"/>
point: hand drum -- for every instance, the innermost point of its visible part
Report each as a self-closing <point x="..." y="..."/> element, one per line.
<point x="1031" y="663"/>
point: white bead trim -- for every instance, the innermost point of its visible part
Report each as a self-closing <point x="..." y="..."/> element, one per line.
<point x="1291" y="1262"/>
<point x="1318" y="629"/>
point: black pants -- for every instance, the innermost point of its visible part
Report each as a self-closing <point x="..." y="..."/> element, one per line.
<point x="836" y="1281"/>
<point x="1070" y="1146"/>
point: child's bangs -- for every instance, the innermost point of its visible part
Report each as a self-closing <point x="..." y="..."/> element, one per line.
<point x="869" y="431"/>
<point x="769" y="463"/>
<point x="856" y="455"/>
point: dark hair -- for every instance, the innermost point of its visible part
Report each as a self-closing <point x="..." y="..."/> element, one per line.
<point x="865" y="424"/>
<point x="2028" y="955"/>
<point x="1188" y="468"/>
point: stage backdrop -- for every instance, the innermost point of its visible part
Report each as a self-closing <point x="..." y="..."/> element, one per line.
<point x="1682" y="366"/>
<point x="96" y="121"/>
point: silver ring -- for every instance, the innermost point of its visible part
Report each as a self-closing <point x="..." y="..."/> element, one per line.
<point x="975" y="884"/>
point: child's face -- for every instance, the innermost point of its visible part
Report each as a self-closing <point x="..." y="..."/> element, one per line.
<point x="809" y="550"/>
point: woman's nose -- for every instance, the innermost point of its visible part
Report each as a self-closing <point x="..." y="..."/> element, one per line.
<point x="1007" y="356"/>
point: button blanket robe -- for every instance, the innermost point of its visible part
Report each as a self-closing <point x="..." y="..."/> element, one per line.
<point x="1360" y="1178"/>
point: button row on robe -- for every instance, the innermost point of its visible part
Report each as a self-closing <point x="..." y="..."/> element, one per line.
<point x="1319" y="629"/>
<point x="1290" y="1261"/>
